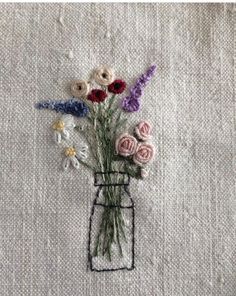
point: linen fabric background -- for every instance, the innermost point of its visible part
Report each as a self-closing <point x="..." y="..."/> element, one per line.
<point x="185" y="210"/>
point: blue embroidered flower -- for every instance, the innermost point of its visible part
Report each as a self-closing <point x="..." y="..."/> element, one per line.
<point x="72" y="106"/>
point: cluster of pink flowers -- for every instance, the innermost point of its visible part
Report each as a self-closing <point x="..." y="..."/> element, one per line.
<point x="141" y="151"/>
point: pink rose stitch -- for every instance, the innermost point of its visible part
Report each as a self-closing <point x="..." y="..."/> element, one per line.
<point x="144" y="153"/>
<point x="143" y="130"/>
<point x="126" y="145"/>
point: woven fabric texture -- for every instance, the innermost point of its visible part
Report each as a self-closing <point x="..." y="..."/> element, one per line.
<point x="185" y="211"/>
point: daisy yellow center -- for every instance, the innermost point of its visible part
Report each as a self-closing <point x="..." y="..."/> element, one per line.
<point x="70" y="151"/>
<point x="58" y="125"/>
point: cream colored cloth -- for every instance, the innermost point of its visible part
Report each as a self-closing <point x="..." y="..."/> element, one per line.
<point x="185" y="210"/>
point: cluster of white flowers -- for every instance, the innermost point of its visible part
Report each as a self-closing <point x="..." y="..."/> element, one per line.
<point x="102" y="76"/>
<point x="62" y="129"/>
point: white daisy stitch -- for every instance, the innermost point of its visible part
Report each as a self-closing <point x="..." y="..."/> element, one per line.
<point x="72" y="157"/>
<point x="82" y="153"/>
<point x="62" y="128"/>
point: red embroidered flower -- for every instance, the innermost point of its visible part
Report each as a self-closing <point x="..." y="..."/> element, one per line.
<point x="117" y="86"/>
<point x="97" y="96"/>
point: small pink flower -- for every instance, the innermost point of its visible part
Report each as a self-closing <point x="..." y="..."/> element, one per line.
<point x="144" y="153"/>
<point x="143" y="130"/>
<point x="126" y="145"/>
<point x="144" y="173"/>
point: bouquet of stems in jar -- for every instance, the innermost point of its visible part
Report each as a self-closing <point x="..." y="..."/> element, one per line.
<point x="111" y="148"/>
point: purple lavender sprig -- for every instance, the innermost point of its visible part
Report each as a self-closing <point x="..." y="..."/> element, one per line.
<point x="132" y="102"/>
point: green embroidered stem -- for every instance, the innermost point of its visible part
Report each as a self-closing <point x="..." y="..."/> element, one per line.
<point x="106" y="120"/>
<point x="104" y="128"/>
<point x="87" y="165"/>
<point x="112" y="224"/>
<point x="99" y="143"/>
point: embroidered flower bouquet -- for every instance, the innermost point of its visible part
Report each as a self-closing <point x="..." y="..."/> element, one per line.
<point x="113" y="153"/>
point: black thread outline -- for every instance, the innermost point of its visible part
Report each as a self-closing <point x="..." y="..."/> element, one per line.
<point x="90" y="263"/>
<point x="111" y="184"/>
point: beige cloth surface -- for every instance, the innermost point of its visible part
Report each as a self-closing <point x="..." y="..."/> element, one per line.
<point x="186" y="209"/>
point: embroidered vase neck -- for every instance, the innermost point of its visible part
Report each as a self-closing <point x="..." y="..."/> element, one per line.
<point x="111" y="179"/>
<point x="113" y="189"/>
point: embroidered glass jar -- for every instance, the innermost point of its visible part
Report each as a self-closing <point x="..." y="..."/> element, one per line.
<point x="111" y="230"/>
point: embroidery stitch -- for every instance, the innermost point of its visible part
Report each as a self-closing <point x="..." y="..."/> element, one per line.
<point x="125" y="184"/>
<point x="73" y="157"/>
<point x="115" y="157"/>
<point x="70" y="158"/>
<point x="72" y="106"/>
<point x="126" y="145"/>
<point x="117" y="86"/>
<point x="103" y="75"/>
<point x="63" y="127"/>
<point x="80" y="88"/>
<point x="143" y="130"/>
<point x="131" y="103"/>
